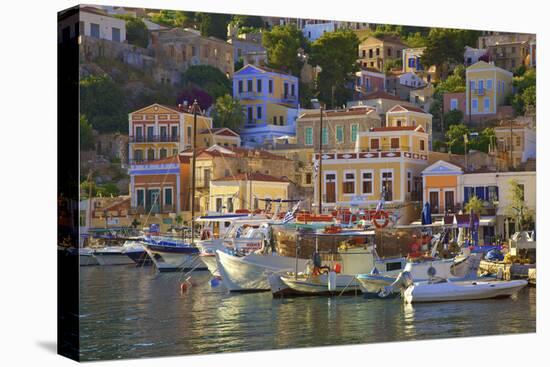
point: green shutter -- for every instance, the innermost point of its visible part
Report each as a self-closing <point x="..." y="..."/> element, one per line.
<point x="325" y="136"/>
<point x="309" y="136"/>
<point x="353" y="133"/>
<point x="340" y="133"/>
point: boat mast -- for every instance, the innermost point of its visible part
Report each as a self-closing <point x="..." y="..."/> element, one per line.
<point x="320" y="182"/>
<point x="195" y="111"/>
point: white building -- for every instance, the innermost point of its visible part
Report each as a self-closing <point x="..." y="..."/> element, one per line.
<point x="412" y="80"/>
<point x="91" y="22"/>
<point x="472" y="55"/>
<point x="314" y="31"/>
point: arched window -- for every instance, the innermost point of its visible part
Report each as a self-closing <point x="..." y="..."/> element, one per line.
<point x="150" y="154"/>
<point x="163" y="153"/>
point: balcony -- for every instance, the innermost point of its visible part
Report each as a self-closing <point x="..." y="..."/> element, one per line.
<point x="154" y="138"/>
<point x="202" y="183"/>
<point x="290" y="99"/>
<point x="249" y="95"/>
<point x="480" y="91"/>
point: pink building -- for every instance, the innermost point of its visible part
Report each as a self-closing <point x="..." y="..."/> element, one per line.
<point x="369" y="80"/>
<point x="454" y="101"/>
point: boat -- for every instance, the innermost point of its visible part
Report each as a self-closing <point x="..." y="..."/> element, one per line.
<point x="112" y="255"/>
<point x="250" y="272"/>
<point x="173" y="255"/>
<point x="446" y="290"/>
<point x="86" y="256"/>
<point x="135" y="251"/>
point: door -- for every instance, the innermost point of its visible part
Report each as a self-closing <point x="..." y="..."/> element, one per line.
<point x="139" y="134"/>
<point x="434" y="201"/>
<point x="387" y="185"/>
<point x="250" y="115"/>
<point x="449" y="201"/>
<point x="153" y="197"/>
<point x="150" y="133"/>
<point x="330" y="188"/>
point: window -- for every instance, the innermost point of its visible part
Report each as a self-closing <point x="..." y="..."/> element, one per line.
<point x="422" y="144"/>
<point x="163" y="133"/>
<point x="394" y="143"/>
<point x="377" y="52"/>
<point x="140" y="197"/>
<point x="163" y="153"/>
<point x="250" y="115"/>
<point x="412" y="61"/>
<point x="240" y="86"/>
<point x="174" y="133"/>
<point x="474" y="105"/>
<point x="138" y="155"/>
<point x="486" y="104"/>
<point x="387" y="184"/>
<point x="230" y="205"/>
<point x="249" y="86"/>
<point x="374" y="144"/>
<point x="259" y="85"/>
<point x="366" y="183"/>
<point x="472" y="85"/>
<point x="492" y="193"/>
<point x="116" y="34"/>
<point x="194" y="51"/>
<point x="150" y="133"/>
<point x="325" y="136"/>
<point x="409" y="181"/>
<point x="339" y="134"/>
<point x="309" y="136"/>
<point x="151" y="154"/>
<point x="389" y="51"/>
<point x="281" y="120"/>
<point x="370" y="53"/>
<point x="454" y="104"/>
<point x="167" y="196"/>
<point x="489" y="84"/>
<point x="292" y="90"/>
<point x="349" y="183"/>
<point x="259" y="112"/>
<point x="285" y="90"/>
<point x="364" y="53"/>
<point x="189" y="134"/>
<point x="218" y="204"/>
<point x="94" y="30"/>
<point x="354" y="132"/>
<point x="270" y="86"/>
<point x="174" y="151"/>
<point x="398" y="123"/>
<point x="308" y="178"/>
<point x="518" y="141"/>
<point x="480" y="85"/>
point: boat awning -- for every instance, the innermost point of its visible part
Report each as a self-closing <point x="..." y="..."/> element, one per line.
<point x="487" y="221"/>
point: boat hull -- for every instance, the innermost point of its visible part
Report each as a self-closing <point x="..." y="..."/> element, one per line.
<point x="211" y="265"/>
<point x="112" y="258"/>
<point x="169" y="259"/>
<point x="319" y="285"/>
<point x="461" y="291"/>
<point x="141" y="258"/>
<point x="250" y="272"/>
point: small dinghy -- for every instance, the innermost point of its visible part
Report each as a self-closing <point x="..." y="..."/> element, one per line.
<point x="446" y="290"/>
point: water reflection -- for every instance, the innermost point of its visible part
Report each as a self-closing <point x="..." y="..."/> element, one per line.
<point x="131" y="312"/>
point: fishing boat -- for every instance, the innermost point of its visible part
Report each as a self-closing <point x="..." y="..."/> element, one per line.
<point x="173" y="255"/>
<point x="447" y="290"/>
<point x="86" y="256"/>
<point x="250" y="272"/>
<point x="112" y="255"/>
<point x="335" y="277"/>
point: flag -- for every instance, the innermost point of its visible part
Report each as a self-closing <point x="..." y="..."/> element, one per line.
<point x="290" y="214"/>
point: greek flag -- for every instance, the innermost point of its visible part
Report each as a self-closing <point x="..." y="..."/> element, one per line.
<point x="290" y="214"/>
<point x="315" y="167"/>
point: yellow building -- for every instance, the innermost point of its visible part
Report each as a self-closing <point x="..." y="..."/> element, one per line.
<point x="389" y="157"/>
<point x="159" y="131"/>
<point x="487" y="87"/>
<point x="375" y="51"/>
<point x="413" y="64"/>
<point x="401" y="115"/>
<point x="246" y="191"/>
<point x="270" y="103"/>
<point x="515" y="144"/>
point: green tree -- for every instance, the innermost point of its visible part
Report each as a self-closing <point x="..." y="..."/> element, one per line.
<point x="393" y="64"/>
<point x="526" y="93"/>
<point x="475" y="204"/>
<point x="517" y="207"/>
<point x="174" y="18"/>
<point x="86" y="134"/>
<point x="336" y="54"/>
<point x="483" y="140"/>
<point x="247" y="21"/>
<point x="108" y="189"/>
<point x="136" y="32"/>
<point x="453" y="117"/>
<point x="455" y="138"/>
<point x="214" y="25"/>
<point x="102" y="101"/>
<point x="282" y="44"/>
<point x="208" y="78"/>
<point x="228" y="112"/>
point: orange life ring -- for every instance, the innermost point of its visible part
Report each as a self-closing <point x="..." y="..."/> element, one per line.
<point x="381" y="215"/>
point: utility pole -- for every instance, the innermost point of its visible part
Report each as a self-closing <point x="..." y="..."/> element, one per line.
<point x="89" y="219"/>
<point x="511" y="144"/>
<point x="319" y="173"/>
<point x="194" y="160"/>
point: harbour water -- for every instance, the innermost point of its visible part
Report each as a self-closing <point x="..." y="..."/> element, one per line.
<point x="133" y="312"/>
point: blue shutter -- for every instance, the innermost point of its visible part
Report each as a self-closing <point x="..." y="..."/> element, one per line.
<point x="466" y="195"/>
<point x="496" y="193"/>
<point x="486" y="193"/>
<point x="479" y="192"/>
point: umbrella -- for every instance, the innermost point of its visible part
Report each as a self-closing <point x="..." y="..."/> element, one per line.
<point x="426" y="214"/>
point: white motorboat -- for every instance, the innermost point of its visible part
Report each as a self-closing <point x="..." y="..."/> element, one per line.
<point x="446" y="290"/>
<point x="86" y="256"/>
<point x="112" y="255"/>
<point x="173" y="255"/>
<point x="250" y="272"/>
<point x="135" y="250"/>
<point x="459" y="268"/>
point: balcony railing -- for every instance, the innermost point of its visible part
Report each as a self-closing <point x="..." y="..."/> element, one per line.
<point x="156" y="209"/>
<point x="480" y="91"/>
<point x="289" y="98"/>
<point x="249" y="95"/>
<point x="154" y="138"/>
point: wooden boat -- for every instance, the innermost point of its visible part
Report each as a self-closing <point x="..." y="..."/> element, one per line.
<point x="446" y="290"/>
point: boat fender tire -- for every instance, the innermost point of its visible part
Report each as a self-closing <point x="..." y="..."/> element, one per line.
<point x="381" y="215"/>
<point x="431" y="272"/>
